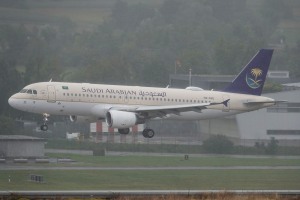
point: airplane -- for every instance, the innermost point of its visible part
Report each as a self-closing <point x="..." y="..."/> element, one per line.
<point x="125" y="106"/>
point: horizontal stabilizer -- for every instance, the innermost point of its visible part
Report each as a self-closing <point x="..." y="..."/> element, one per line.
<point x="262" y="102"/>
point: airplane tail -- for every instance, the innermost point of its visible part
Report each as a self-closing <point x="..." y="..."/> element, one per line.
<point x="252" y="78"/>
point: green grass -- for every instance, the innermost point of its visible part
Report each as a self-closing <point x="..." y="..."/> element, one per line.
<point x="167" y="161"/>
<point x="157" y="179"/>
<point x="150" y="180"/>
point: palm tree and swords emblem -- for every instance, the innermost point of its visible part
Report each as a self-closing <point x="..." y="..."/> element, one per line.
<point x="253" y="81"/>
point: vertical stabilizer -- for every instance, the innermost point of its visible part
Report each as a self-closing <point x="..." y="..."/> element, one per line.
<point x="252" y="78"/>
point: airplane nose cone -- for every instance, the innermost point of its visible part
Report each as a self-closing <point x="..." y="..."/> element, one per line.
<point x="12" y="101"/>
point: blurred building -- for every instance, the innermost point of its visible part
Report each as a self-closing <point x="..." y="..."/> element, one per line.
<point x="281" y="122"/>
<point x="20" y="146"/>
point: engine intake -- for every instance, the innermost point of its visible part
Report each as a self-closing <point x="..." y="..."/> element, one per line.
<point x="121" y="119"/>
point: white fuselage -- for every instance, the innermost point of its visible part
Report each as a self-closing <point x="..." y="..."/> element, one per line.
<point x="94" y="100"/>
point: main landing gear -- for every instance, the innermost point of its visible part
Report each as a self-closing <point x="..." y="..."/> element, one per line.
<point x="147" y="132"/>
<point x="44" y="127"/>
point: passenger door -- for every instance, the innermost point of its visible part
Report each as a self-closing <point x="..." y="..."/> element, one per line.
<point x="51" y="94"/>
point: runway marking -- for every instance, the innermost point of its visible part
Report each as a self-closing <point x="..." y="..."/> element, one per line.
<point x="17" y="168"/>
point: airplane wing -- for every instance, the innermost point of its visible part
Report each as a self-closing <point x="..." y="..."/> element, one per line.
<point x="161" y="111"/>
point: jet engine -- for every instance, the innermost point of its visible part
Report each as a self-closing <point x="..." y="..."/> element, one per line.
<point x="82" y="119"/>
<point x="120" y="119"/>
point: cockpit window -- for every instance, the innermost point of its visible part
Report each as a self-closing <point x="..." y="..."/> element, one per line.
<point x="28" y="91"/>
<point x="23" y="91"/>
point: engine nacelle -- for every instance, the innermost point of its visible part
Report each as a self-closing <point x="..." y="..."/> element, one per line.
<point x="82" y="119"/>
<point x="121" y="119"/>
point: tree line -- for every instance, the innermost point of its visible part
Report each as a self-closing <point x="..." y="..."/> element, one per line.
<point x="140" y="44"/>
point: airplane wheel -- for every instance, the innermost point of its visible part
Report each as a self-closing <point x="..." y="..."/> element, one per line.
<point x="123" y="131"/>
<point x="44" y="127"/>
<point x="148" y="133"/>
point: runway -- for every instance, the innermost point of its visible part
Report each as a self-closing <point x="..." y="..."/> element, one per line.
<point x="5" y="167"/>
<point x="108" y="194"/>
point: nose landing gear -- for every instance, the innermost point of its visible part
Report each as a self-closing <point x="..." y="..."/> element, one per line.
<point x="44" y="127"/>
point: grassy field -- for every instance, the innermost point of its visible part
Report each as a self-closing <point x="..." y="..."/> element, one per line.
<point x="157" y="179"/>
<point x="170" y="161"/>
<point x="153" y="180"/>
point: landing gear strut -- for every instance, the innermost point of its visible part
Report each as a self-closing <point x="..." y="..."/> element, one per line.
<point x="44" y="127"/>
<point x="148" y="133"/>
